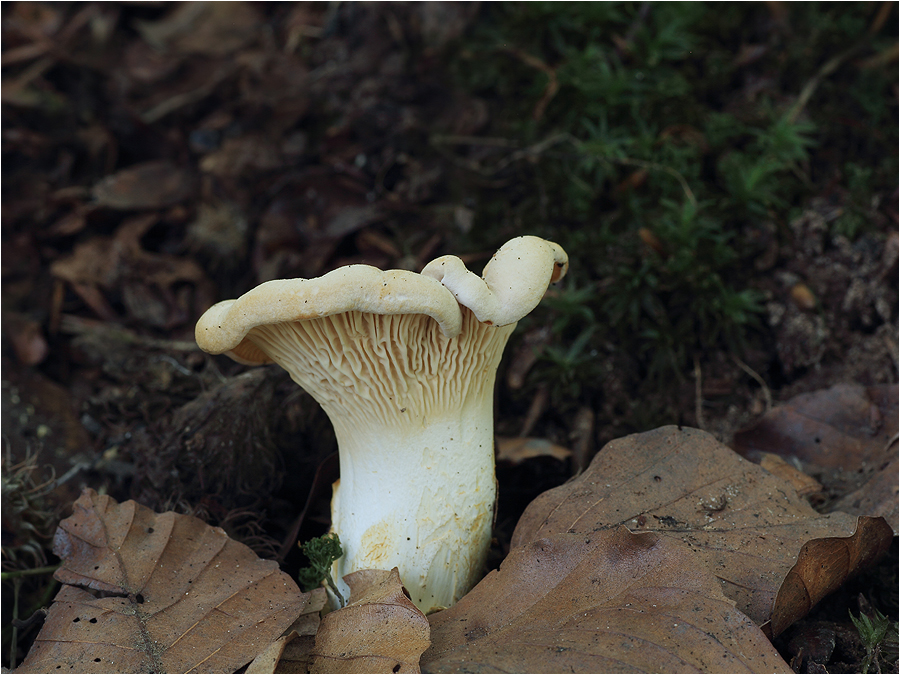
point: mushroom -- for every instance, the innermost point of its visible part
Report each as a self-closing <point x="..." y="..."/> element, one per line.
<point x="404" y="366"/>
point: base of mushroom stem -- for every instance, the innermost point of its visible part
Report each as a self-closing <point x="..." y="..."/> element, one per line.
<point x="334" y="602"/>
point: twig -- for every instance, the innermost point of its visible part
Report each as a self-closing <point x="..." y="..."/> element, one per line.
<point x="520" y="154"/>
<point x="654" y="166"/>
<point x="454" y="139"/>
<point x="186" y="98"/>
<point x="67" y="476"/>
<point x="76" y="325"/>
<point x="18" y="574"/>
<point x="881" y="17"/>
<point x="698" y="395"/>
<point x="891" y="344"/>
<point x="756" y="376"/>
<point x="329" y="579"/>
<point x="535" y="410"/>
<point x="172" y="362"/>
<point x="552" y="81"/>
<point x="39" y="615"/>
<point x="538" y="149"/>
<point x="14" y="641"/>
<point x="813" y="83"/>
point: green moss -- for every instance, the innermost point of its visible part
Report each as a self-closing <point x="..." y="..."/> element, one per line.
<point x="673" y="123"/>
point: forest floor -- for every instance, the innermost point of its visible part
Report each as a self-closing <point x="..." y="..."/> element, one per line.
<point x="157" y="159"/>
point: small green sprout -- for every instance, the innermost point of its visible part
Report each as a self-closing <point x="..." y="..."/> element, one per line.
<point x="321" y="552"/>
<point x="879" y="637"/>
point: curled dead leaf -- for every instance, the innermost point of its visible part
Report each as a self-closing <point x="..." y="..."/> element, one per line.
<point x="380" y="631"/>
<point x="844" y="427"/>
<point x="147" y="592"/>
<point x="603" y="602"/>
<point x="743" y="523"/>
<point x="803" y="484"/>
<point x="823" y="564"/>
<point x="153" y="286"/>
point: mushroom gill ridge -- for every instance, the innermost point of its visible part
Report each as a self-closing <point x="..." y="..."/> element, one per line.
<point x="372" y="369"/>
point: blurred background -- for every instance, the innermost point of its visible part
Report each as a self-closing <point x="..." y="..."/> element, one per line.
<point x="723" y="176"/>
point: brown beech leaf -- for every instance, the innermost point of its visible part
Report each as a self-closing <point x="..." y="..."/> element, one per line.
<point x="845" y="436"/>
<point x="267" y="661"/>
<point x="151" y="185"/>
<point x="26" y="337"/>
<point x="822" y="566"/>
<point x="841" y="427"/>
<point x="878" y="495"/>
<point x="212" y="28"/>
<point x="290" y="653"/>
<point x="601" y="602"/>
<point x="743" y="523"/>
<point x="380" y="631"/>
<point x="775" y="465"/>
<point x="152" y="286"/>
<point x="175" y="595"/>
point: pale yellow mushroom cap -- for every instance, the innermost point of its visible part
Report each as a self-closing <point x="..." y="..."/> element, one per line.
<point x="513" y="283"/>
<point x="223" y="327"/>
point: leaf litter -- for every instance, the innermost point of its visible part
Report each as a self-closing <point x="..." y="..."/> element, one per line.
<point x="290" y="653"/>
<point x="147" y="592"/>
<point x="845" y="436"/>
<point x="380" y="631"/>
<point x="744" y="524"/>
<point x="602" y="602"/>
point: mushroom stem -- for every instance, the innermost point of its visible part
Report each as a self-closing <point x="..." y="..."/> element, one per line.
<point x="413" y="413"/>
<point x="420" y="499"/>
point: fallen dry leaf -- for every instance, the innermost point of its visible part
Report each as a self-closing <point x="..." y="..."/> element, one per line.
<point x="237" y="155"/>
<point x="266" y="662"/>
<point x="746" y="525"/>
<point x="27" y="338"/>
<point x="151" y="185"/>
<point x="822" y="566"/>
<point x="604" y="602"/>
<point x="154" y="287"/>
<point x="845" y="436"/>
<point x="212" y="28"/>
<point x="878" y="495"/>
<point x="290" y="653"/>
<point x="147" y="592"/>
<point x="775" y="465"/>
<point x="296" y="655"/>
<point x="843" y="427"/>
<point x="380" y="631"/>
